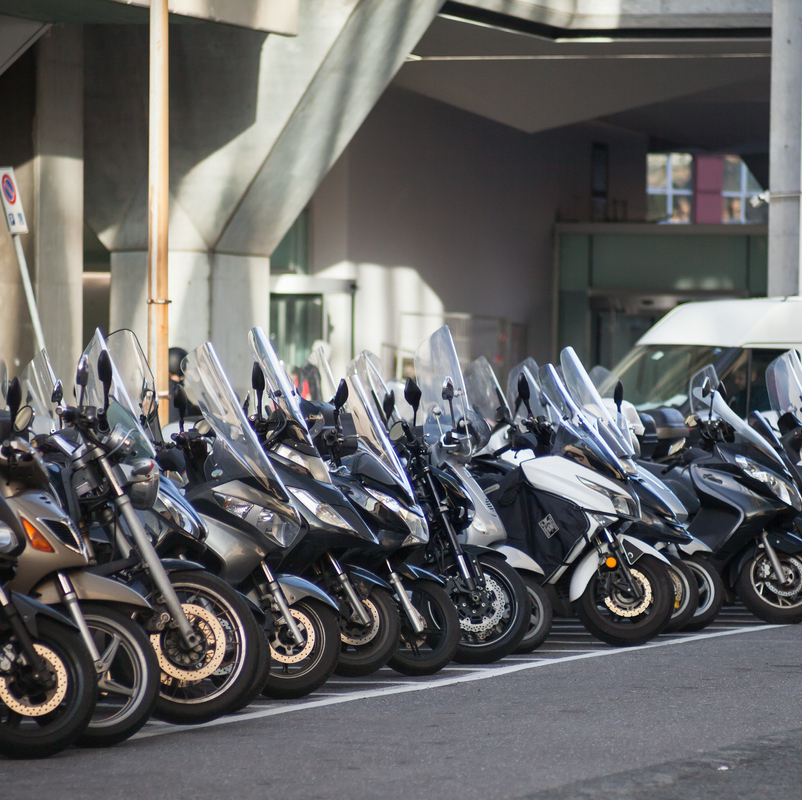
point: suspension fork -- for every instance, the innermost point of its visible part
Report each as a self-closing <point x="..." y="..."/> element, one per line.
<point x="463" y="564"/>
<point x="774" y="560"/>
<point x="280" y="600"/>
<point x="414" y="616"/>
<point x="20" y="630"/>
<point x="350" y="592"/>
<point x="70" y="599"/>
<point x="617" y="549"/>
<point x="150" y="557"/>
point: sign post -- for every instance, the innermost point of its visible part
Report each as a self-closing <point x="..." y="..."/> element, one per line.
<point x="158" y="204"/>
<point x="15" y="219"/>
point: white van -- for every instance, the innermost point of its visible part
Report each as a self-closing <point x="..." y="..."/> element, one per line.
<point x="738" y="337"/>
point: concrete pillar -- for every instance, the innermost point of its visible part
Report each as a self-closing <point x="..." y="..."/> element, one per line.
<point x="240" y="299"/>
<point x="59" y="194"/>
<point x="784" y="147"/>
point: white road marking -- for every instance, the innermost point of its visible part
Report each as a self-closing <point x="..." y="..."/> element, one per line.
<point x="473" y="675"/>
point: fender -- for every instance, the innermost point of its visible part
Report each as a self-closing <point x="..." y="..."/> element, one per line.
<point x="784" y="542"/>
<point x="478" y="550"/>
<point x="693" y="547"/>
<point x="92" y="587"/>
<point x="368" y="579"/>
<point x="179" y="565"/>
<point x="590" y="563"/>
<point x="517" y="559"/>
<point x="641" y="547"/>
<point x="413" y="573"/>
<point x="296" y="589"/>
<point x="30" y="609"/>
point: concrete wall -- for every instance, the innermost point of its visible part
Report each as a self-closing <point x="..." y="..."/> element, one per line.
<point x="430" y="205"/>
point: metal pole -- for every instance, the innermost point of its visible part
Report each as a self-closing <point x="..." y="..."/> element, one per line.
<point x="158" y="202"/>
<point x="26" y="282"/>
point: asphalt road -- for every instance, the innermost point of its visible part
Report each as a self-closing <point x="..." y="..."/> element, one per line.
<point x="709" y="715"/>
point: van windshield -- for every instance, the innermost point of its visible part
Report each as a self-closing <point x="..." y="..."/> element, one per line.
<point x="656" y="376"/>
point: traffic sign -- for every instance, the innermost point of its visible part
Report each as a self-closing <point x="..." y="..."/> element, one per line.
<point x="12" y="205"/>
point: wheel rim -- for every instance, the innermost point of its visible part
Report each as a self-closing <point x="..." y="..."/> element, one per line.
<point x="291" y="660"/>
<point x="535" y="615"/>
<point x="28" y="702"/>
<point x="505" y="612"/>
<point x="227" y="669"/>
<point x="356" y="634"/>
<point x="419" y="645"/>
<point x="123" y="683"/>
<point x="707" y="592"/>
<point x="786" y="595"/>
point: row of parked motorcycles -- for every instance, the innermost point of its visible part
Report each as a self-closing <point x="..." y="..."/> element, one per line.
<point x="258" y="547"/>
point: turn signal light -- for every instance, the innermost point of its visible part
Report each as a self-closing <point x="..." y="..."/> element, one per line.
<point x="38" y="542"/>
<point x="611" y="562"/>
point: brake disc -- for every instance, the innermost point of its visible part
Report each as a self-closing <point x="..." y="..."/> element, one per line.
<point x="486" y="621"/>
<point x="765" y="571"/>
<point x="622" y="605"/>
<point x="289" y="651"/>
<point x="21" y="704"/>
<point x="208" y="627"/>
<point x="355" y="634"/>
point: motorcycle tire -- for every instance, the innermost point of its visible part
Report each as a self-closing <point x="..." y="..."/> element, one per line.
<point x="614" y="616"/>
<point x="540" y="615"/>
<point x="510" y="604"/>
<point x="686" y="594"/>
<point x="29" y="727"/>
<point x="711" y="592"/>
<point x="297" y="671"/>
<point x="193" y="692"/>
<point x="773" y="603"/>
<point x="365" y="649"/>
<point x="129" y="685"/>
<point x="262" y="672"/>
<point x="429" y="651"/>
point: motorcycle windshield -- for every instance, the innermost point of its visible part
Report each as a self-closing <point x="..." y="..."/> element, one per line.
<point x="122" y="410"/>
<point x="328" y="386"/>
<point x="221" y="409"/>
<point x="38" y="382"/>
<point x="784" y="384"/>
<point x="368" y="367"/>
<point x="540" y="406"/>
<point x="484" y="390"/>
<point x="436" y="361"/>
<point x="707" y="403"/>
<point x="587" y="397"/>
<point x="278" y="388"/>
<point x="572" y="422"/>
<point x="372" y="433"/>
<point x="136" y="378"/>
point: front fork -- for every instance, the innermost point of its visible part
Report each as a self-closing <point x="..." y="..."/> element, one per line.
<point x="279" y="598"/>
<point x="20" y="631"/>
<point x="774" y="560"/>
<point x="415" y="619"/>
<point x="150" y="557"/>
<point x="350" y="592"/>
<point x="615" y="547"/>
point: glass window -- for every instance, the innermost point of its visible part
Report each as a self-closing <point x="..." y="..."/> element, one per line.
<point x="292" y="252"/>
<point x="669" y="187"/>
<point x="739" y="196"/>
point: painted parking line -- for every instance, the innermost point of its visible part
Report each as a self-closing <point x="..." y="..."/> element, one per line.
<point x="470" y="676"/>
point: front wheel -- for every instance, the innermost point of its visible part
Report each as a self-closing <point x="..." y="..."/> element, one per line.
<point x="365" y="649"/>
<point x="430" y="650"/>
<point x="540" y="615"/>
<point x="299" y="669"/>
<point x="128" y="681"/>
<point x="613" y="613"/>
<point x="219" y="676"/>
<point x="39" y="720"/>
<point x="711" y="592"/>
<point x="686" y="594"/>
<point x="494" y="618"/>
<point x="765" y="596"/>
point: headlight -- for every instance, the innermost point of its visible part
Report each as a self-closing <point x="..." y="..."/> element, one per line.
<point x="384" y="499"/>
<point x="179" y="515"/>
<point x="783" y="490"/>
<point x="624" y="505"/>
<point x="418" y="529"/>
<point x="8" y="539"/>
<point x="279" y="529"/>
<point x="322" y="511"/>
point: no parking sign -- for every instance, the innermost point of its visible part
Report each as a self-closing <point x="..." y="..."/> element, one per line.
<point x="12" y="205"/>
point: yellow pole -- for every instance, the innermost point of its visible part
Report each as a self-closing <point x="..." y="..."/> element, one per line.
<point x="158" y="202"/>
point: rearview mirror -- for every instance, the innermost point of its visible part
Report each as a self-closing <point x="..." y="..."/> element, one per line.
<point x="104" y="372"/>
<point x="23" y="419"/>
<point x="397" y="432"/>
<point x="257" y="378"/>
<point x="523" y="387"/>
<point x="707" y="388"/>
<point x="180" y="404"/>
<point x="388" y="405"/>
<point x="448" y="389"/>
<point x="341" y="397"/>
<point x="14" y="399"/>
<point x="82" y="373"/>
<point x="618" y="395"/>
<point x="722" y="390"/>
<point x="58" y="393"/>
<point x="412" y="394"/>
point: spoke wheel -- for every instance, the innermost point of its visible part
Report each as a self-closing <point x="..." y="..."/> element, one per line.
<point x="765" y="596"/>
